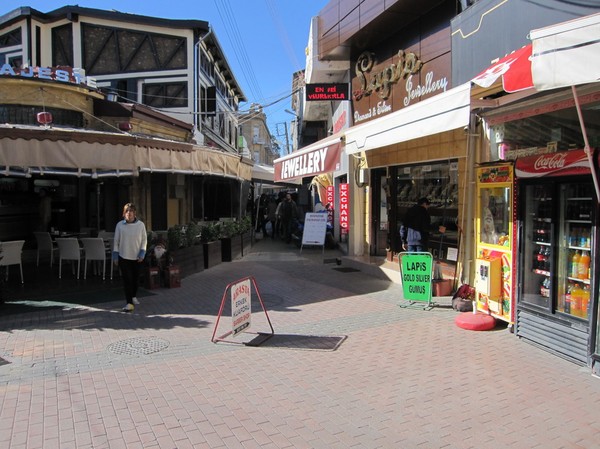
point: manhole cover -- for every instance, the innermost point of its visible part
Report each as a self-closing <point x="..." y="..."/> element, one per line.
<point x="138" y="346"/>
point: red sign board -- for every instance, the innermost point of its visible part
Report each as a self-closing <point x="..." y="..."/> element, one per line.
<point x="326" y="92"/>
<point x="345" y="207"/>
<point x="330" y="192"/>
<point x="325" y="159"/>
<point x="561" y="163"/>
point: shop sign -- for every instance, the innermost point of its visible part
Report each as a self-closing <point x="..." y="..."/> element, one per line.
<point x="500" y="173"/>
<point x="320" y="160"/>
<point x="562" y="163"/>
<point x="344" y="208"/>
<point x="326" y="92"/>
<point x="241" y="310"/>
<point x="330" y="197"/>
<point x="64" y="74"/>
<point x="383" y="82"/>
<point x="416" y="269"/>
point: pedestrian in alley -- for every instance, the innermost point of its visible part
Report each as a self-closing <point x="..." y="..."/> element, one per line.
<point x="129" y="252"/>
<point x="289" y="216"/>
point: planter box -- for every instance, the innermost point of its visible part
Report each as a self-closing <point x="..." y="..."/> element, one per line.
<point x="247" y="242"/>
<point x="190" y="260"/>
<point x="212" y="254"/>
<point x="231" y="248"/>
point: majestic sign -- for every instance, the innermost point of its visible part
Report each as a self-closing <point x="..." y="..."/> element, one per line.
<point x="325" y="159"/>
<point x="62" y="74"/>
<point x="326" y="92"/>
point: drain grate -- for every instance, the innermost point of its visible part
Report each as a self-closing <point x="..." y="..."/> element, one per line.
<point x="138" y="346"/>
<point x="346" y="269"/>
<point x="304" y="342"/>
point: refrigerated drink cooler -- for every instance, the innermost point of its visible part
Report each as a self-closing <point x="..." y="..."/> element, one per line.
<point x="556" y="207"/>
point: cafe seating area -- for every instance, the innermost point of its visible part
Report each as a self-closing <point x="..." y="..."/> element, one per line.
<point x="35" y="258"/>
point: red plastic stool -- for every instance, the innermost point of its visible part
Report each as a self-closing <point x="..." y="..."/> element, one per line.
<point x="475" y="321"/>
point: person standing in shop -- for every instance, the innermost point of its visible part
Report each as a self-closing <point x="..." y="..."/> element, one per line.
<point x="414" y="232"/>
<point x="129" y="252"/>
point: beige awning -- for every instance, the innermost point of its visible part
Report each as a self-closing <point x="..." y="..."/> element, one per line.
<point x="35" y="150"/>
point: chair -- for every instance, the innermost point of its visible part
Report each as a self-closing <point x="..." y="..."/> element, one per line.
<point x="45" y="243"/>
<point x="68" y="249"/>
<point x="95" y="249"/>
<point x="106" y="235"/>
<point x="11" y="255"/>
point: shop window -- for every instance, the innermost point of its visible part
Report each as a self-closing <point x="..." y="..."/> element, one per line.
<point x="437" y="182"/>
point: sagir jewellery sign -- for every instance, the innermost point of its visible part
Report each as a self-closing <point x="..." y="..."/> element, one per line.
<point x="383" y="81"/>
<point x="324" y="159"/>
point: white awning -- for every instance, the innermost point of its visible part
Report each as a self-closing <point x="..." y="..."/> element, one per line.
<point x="444" y="112"/>
<point x="566" y="54"/>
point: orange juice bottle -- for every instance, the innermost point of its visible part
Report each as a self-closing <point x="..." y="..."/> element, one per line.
<point x="585" y="301"/>
<point x="575" y="265"/>
<point x="584" y="265"/>
<point x="576" y="300"/>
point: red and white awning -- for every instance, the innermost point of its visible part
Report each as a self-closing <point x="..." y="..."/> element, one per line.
<point x="320" y="157"/>
<point x="515" y="70"/>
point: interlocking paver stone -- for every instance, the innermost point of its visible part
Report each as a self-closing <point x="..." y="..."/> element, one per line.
<point x="402" y="378"/>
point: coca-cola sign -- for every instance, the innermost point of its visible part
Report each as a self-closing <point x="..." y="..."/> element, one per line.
<point x="550" y="161"/>
<point x="573" y="162"/>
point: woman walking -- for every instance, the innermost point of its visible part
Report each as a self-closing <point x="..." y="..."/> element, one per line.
<point x="129" y="252"/>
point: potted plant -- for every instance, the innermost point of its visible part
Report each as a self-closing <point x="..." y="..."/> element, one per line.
<point x="231" y="241"/>
<point x="185" y="248"/>
<point x="246" y="233"/>
<point x="210" y="238"/>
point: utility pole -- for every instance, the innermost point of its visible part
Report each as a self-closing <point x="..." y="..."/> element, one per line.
<point x="287" y="138"/>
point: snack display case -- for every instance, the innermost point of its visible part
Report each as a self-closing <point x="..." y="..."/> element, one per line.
<point x="495" y="224"/>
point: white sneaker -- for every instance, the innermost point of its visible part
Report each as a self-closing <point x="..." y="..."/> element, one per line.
<point x="135" y="301"/>
<point x="128" y="308"/>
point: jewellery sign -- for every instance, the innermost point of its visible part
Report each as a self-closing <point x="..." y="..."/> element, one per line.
<point x="396" y="83"/>
<point x="324" y="159"/>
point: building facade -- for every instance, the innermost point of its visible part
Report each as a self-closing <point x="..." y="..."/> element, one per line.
<point x="163" y="82"/>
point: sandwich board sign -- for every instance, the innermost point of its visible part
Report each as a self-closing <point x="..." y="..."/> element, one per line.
<point x="416" y="269"/>
<point x="315" y="227"/>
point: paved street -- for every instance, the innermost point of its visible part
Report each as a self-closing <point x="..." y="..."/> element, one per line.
<point x="387" y="377"/>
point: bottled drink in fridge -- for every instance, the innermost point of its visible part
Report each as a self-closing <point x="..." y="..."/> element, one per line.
<point x="584" y="265"/>
<point x="575" y="265"/>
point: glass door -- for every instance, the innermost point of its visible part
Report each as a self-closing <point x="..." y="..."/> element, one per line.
<point x="575" y="250"/>
<point x="537" y="245"/>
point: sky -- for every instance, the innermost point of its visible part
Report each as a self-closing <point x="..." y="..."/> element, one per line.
<point x="264" y="40"/>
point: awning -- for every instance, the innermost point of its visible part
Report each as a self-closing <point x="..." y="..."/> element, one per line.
<point x="30" y="150"/>
<point x="320" y="157"/>
<point x="515" y="70"/>
<point x="566" y="54"/>
<point x="444" y="112"/>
